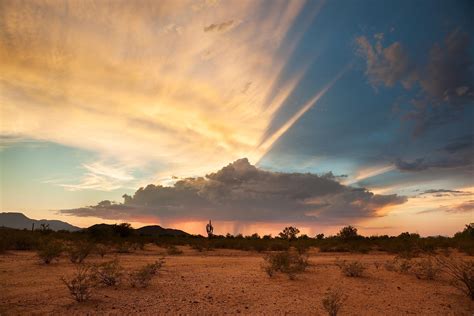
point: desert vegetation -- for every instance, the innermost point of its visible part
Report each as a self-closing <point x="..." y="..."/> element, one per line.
<point x="117" y="258"/>
<point x="461" y="272"/>
<point x="81" y="284"/>
<point x="352" y="268"/>
<point x="289" y="262"/>
<point x="142" y="277"/>
<point x="124" y="239"/>
<point x="333" y="301"/>
<point x="49" y="250"/>
<point x="109" y="273"/>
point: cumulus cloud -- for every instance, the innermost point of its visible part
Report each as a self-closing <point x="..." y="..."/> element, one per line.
<point x="243" y="192"/>
<point x="445" y="83"/>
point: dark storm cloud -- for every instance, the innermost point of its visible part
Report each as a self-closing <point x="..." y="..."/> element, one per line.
<point x="243" y="192"/>
<point x="445" y="82"/>
<point x="459" y="153"/>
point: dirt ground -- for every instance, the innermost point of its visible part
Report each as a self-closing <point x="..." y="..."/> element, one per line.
<point x="225" y="282"/>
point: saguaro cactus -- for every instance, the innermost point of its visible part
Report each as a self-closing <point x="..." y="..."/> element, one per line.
<point x="209" y="229"/>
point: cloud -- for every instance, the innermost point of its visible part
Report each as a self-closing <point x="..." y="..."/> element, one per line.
<point x="387" y="65"/>
<point x="445" y="192"/>
<point x="243" y="192"/>
<point x="415" y="165"/>
<point x="458" y="153"/>
<point x="464" y="207"/>
<point x="100" y="175"/>
<point x="99" y="70"/>
<point x="448" y="75"/>
<point x="220" y="27"/>
<point x="444" y="84"/>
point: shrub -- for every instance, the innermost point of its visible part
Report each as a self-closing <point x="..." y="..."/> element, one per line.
<point x="79" y="251"/>
<point x="142" y="277"/>
<point x="173" y="250"/>
<point x="279" y="246"/>
<point x="426" y="269"/>
<point x="302" y="248"/>
<point x="377" y="265"/>
<point x="351" y="269"/>
<point x="260" y="246"/>
<point x="333" y="301"/>
<point x="81" y="284"/>
<point x="101" y="250"/>
<point x="109" y="273"/>
<point x="124" y="247"/>
<point x="50" y="250"/>
<point x="404" y="266"/>
<point x="390" y="266"/>
<point x="24" y="242"/>
<point x="461" y="272"/>
<point x="197" y="246"/>
<point x="3" y="246"/>
<point x="288" y="262"/>
<point x="466" y="246"/>
<point x="155" y="266"/>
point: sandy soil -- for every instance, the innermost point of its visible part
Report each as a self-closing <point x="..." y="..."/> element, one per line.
<point x="225" y="282"/>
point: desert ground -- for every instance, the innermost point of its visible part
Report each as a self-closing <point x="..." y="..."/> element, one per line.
<point x="225" y="282"/>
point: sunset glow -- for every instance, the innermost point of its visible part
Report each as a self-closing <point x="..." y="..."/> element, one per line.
<point x="317" y="114"/>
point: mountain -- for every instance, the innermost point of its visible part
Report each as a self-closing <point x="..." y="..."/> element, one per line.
<point x="155" y="230"/>
<point x="104" y="230"/>
<point x="20" y="221"/>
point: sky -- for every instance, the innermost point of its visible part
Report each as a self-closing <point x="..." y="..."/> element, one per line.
<point x="255" y="114"/>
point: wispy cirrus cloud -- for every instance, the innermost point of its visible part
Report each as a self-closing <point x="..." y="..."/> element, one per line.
<point x="460" y="208"/>
<point x="144" y="82"/>
<point x="99" y="175"/>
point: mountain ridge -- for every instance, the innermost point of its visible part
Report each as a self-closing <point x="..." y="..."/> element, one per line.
<point x="19" y="220"/>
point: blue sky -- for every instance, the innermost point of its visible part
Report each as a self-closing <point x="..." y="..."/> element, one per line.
<point x="98" y="102"/>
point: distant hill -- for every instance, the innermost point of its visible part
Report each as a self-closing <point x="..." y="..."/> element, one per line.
<point x="155" y="230"/>
<point x="20" y="221"/>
